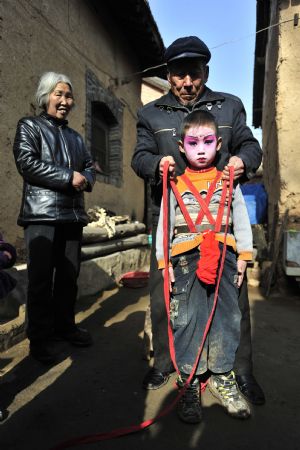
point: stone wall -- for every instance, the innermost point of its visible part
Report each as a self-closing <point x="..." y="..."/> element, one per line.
<point x="66" y="37"/>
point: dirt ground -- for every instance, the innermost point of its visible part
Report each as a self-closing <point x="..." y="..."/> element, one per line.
<point x="98" y="389"/>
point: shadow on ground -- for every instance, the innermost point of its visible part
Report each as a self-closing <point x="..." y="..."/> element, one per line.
<point x="99" y="388"/>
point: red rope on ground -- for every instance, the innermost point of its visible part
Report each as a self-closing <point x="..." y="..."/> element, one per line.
<point x="147" y="423"/>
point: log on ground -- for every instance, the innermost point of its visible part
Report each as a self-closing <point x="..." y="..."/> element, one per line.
<point x="105" y="248"/>
<point x="98" y="234"/>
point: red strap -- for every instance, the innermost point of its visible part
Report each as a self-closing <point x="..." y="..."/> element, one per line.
<point x="166" y="259"/>
<point x="198" y="197"/>
<point x="221" y="208"/>
<point x="200" y="200"/>
<point x="208" y="197"/>
<point x="183" y="208"/>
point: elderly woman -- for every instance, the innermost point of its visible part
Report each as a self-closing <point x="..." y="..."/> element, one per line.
<point x="56" y="169"/>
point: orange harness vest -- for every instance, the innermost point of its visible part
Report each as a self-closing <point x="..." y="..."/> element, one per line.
<point x="209" y="247"/>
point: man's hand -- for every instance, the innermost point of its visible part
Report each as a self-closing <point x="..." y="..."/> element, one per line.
<point x="79" y="181"/>
<point x="171" y="277"/>
<point x="241" y="267"/>
<point x="238" y="165"/>
<point x="171" y="166"/>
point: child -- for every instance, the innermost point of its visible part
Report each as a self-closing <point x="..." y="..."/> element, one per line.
<point x="7" y="283"/>
<point x="196" y="242"/>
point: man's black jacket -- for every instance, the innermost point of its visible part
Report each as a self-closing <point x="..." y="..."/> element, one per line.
<point x="158" y="132"/>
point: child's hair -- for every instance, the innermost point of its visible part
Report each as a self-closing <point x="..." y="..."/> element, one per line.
<point x="197" y="119"/>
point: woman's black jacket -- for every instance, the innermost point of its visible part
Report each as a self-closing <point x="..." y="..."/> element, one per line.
<point x="47" y="152"/>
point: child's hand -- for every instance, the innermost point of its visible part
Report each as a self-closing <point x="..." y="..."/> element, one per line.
<point x="241" y="267"/>
<point x="171" y="277"/>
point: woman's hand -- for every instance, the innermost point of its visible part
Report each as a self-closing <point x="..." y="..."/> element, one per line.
<point x="79" y="182"/>
<point x="241" y="267"/>
<point x="171" y="277"/>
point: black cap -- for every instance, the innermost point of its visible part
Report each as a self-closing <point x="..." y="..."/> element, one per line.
<point x="187" y="47"/>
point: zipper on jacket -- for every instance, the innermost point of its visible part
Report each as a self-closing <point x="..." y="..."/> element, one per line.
<point x="65" y="145"/>
<point x="69" y="161"/>
<point x="167" y="129"/>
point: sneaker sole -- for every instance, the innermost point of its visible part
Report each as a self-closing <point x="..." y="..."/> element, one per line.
<point x="192" y="422"/>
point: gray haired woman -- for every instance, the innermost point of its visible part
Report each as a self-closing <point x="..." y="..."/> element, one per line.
<point x="56" y="169"/>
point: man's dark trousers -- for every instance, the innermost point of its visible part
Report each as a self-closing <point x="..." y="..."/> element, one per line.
<point x="53" y="254"/>
<point x="162" y="360"/>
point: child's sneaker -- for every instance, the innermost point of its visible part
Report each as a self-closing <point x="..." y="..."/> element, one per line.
<point x="224" y="388"/>
<point x="189" y="406"/>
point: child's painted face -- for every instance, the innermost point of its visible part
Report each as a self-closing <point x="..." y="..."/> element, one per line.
<point x="200" y="146"/>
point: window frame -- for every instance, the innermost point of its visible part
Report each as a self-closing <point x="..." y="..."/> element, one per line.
<point x="97" y="93"/>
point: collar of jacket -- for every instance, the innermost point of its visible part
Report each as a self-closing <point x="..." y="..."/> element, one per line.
<point x="53" y="120"/>
<point x="170" y="101"/>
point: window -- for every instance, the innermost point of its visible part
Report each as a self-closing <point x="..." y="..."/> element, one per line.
<point x="100" y="142"/>
<point x="104" y="131"/>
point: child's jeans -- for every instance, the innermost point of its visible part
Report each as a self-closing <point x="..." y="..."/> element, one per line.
<point x="190" y="306"/>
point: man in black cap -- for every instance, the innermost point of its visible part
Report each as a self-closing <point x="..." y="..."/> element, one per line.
<point x="158" y="132"/>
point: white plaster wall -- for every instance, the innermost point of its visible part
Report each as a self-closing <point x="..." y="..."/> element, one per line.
<point x="288" y="111"/>
<point x="281" y="112"/>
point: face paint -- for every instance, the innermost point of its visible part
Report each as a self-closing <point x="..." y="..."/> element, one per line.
<point x="200" y="146"/>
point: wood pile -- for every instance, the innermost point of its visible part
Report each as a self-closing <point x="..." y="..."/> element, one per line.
<point x="107" y="234"/>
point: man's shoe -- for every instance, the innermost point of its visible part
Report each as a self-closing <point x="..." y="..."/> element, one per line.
<point x="225" y="389"/>
<point x="43" y="352"/>
<point x="154" y="379"/>
<point x="189" y="406"/>
<point x="78" y="337"/>
<point x="250" y="389"/>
